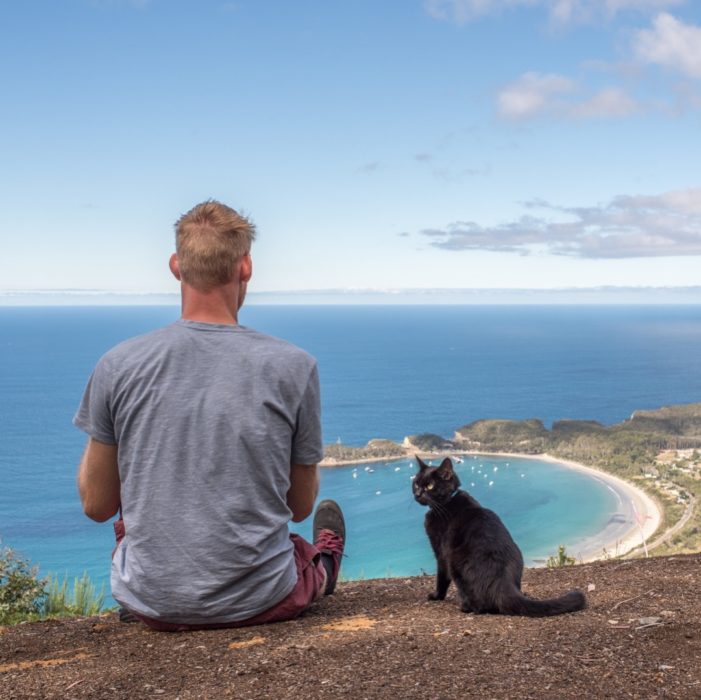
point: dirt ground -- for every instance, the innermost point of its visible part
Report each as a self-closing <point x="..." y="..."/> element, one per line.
<point x="639" y="638"/>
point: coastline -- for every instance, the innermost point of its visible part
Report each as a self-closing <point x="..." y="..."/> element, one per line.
<point x="638" y="516"/>
<point x="622" y="533"/>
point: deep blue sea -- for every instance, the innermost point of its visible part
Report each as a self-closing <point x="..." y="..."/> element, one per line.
<point x="386" y="371"/>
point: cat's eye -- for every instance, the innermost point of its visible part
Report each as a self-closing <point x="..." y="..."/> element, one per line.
<point x="429" y="487"/>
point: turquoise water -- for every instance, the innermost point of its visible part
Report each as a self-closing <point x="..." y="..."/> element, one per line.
<point x="542" y="504"/>
<point x="385" y="372"/>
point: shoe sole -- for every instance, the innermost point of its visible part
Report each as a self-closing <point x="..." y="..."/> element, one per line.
<point x="336" y="523"/>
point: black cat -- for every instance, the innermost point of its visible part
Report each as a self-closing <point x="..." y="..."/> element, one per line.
<point x="474" y="549"/>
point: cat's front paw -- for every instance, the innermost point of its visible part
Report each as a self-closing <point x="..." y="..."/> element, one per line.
<point x="436" y="596"/>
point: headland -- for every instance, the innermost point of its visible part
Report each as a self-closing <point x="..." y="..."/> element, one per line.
<point x="651" y="463"/>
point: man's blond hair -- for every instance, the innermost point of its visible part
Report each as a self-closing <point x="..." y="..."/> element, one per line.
<point x="209" y="240"/>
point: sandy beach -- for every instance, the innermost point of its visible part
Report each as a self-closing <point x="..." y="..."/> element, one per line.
<point x="636" y="519"/>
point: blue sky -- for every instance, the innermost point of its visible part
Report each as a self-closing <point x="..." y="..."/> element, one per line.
<point x="422" y="144"/>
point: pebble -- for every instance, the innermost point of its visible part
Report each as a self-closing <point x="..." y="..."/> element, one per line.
<point x="649" y="620"/>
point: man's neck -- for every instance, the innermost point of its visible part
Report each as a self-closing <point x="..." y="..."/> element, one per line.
<point x="219" y="319"/>
<point x="219" y="305"/>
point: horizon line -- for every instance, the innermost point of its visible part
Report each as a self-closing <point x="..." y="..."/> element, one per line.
<point x="602" y="294"/>
<point x="360" y="290"/>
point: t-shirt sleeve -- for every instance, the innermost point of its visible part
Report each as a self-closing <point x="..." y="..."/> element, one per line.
<point x="307" y="447"/>
<point x="94" y="414"/>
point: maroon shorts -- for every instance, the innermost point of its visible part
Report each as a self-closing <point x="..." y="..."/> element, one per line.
<point x="311" y="582"/>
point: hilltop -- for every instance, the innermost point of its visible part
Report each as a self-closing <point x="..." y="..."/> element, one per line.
<point x="640" y="637"/>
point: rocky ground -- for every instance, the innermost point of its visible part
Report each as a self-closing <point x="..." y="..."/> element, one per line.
<point x="639" y="638"/>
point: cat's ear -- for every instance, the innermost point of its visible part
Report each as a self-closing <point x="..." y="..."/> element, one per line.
<point x="422" y="465"/>
<point x="445" y="471"/>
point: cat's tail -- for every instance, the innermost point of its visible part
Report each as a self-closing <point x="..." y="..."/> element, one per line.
<point x="519" y="604"/>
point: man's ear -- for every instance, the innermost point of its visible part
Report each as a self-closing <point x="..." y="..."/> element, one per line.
<point x="245" y="268"/>
<point x="175" y="266"/>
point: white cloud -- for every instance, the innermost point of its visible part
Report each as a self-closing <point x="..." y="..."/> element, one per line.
<point x="610" y="102"/>
<point x="668" y="224"/>
<point x="461" y="11"/>
<point x="672" y="44"/>
<point x="559" y="11"/>
<point x="532" y="94"/>
<point x="684" y="202"/>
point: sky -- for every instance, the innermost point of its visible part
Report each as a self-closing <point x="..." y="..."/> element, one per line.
<point x="419" y="145"/>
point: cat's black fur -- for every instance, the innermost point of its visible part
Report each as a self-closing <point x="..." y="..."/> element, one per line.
<point x="474" y="549"/>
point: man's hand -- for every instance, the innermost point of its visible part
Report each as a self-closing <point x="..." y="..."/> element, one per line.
<point x="98" y="480"/>
<point x="304" y="488"/>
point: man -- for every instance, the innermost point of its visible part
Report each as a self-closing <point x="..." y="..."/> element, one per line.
<point x="205" y="436"/>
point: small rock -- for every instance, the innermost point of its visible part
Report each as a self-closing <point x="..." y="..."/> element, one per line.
<point x="591" y="587"/>
<point x="649" y="620"/>
<point x="99" y="627"/>
<point x="664" y="667"/>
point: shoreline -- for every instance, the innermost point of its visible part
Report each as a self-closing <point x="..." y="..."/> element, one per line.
<point x="618" y="537"/>
<point x="637" y="518"/>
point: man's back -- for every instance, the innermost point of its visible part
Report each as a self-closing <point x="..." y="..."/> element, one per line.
<point x="208" y="419"/>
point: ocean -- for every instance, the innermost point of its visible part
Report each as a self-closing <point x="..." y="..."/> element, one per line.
<point x="386" y="371"/>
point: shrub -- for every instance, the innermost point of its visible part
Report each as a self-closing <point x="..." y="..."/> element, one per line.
<point x="560" y="559"/>
<point x="22" y="592"/>
<point x="26" y="597"/>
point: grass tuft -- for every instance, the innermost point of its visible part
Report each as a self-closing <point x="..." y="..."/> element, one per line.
<point x="83" y="599"/>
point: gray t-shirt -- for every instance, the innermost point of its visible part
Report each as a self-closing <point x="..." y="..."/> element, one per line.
<point x="208" y="419"/>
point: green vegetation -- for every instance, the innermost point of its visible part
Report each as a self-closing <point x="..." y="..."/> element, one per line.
<point x="657" y="450"/>
<point x="427" y="442"/>
<point x="660" y="451"/>
<point x="560" y="559"/>
<point x="26" y="597"/>
<point x="510" y="435"/>
<point x="22" y="593"/>
<point x="82" y="600"/>
<point x="375" y="449"/>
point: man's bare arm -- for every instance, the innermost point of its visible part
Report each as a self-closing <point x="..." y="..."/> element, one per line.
<point x="98" y="480"/>
<point x="304" y="488"/>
